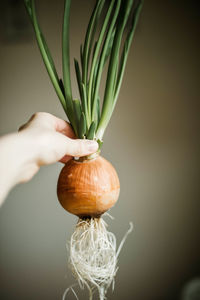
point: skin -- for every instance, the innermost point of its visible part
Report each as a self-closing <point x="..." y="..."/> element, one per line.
<point x="43" y="140"/>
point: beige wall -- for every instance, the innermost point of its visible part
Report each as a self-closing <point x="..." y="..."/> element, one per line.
<point x="152" y="140"/>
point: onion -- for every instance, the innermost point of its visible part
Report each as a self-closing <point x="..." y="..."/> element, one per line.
<point x="88" y="188"/>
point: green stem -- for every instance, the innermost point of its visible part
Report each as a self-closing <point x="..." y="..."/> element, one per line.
<point x="96" y="53"/>
<point x="89" y="38"/>
<point x="45" y="58"/>
<point x="66" y="65"/>
<point x="107" y="41"/>
<point x="65" y="52"/>
<point x="127" y="48"/>
<point x="108" y="107"/>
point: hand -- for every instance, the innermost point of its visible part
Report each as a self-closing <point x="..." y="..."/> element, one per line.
<point x="56" y="139"/>
<point x="43" y="140"/>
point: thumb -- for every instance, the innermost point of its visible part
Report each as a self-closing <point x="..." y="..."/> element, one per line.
<point x="78" y="147"/>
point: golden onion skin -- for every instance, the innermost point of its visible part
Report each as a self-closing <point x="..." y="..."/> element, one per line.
<point x="88" y="188"/>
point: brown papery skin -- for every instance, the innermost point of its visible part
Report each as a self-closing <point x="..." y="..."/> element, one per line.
<point x="88" y="188"/>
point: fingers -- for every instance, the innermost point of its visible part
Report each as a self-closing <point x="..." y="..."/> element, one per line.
<point x="48" y="121"/>
<point x="77" y="147"/>
<point x="64" y="127"/>
<point x="24" y="126"/>
<point x="53" y="140"/>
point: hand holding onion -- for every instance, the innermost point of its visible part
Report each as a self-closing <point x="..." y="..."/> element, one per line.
<point x="43" y="140"/>
<point x="54" y="139"/>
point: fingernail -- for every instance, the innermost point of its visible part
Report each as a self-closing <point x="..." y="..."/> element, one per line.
<point x="92" y="146"/>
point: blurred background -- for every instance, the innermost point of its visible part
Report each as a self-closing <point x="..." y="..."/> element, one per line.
<point x="152" y="140"/>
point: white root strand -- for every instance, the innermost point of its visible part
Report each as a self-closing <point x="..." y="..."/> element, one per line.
<point x="93" y="256"/>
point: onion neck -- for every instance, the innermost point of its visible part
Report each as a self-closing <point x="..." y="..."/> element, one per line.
<point x="87" y="157"/>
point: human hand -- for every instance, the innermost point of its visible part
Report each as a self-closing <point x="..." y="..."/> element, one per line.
<point x="54" y="140"/>
<point x="43" y="140"/>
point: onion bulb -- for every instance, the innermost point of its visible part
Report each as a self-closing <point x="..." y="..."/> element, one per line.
<point x="88" y="188"/>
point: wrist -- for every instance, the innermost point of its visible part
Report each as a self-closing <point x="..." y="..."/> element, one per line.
<point x="17" y="153"/>
<point x="9" y="164"/>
